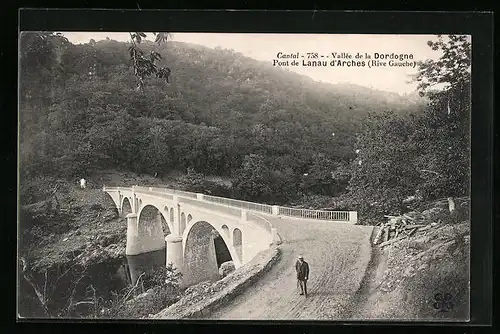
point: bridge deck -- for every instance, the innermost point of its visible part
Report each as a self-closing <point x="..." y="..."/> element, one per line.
<point x="220" y="202"/>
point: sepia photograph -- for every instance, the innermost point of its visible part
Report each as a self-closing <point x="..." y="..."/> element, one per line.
<point x="244" y="176"/>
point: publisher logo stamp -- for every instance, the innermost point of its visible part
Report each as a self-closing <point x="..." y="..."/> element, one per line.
<point x="443" y="302"/>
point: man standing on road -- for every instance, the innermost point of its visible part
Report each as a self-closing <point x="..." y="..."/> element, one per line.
<point x="302" y="268"/>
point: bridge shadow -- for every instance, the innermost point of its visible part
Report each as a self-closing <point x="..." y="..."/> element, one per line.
<point x="321" y="293"/>
<point x="297" y="240"/>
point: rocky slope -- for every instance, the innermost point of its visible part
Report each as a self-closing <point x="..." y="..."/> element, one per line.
<point x="421" y="277"/>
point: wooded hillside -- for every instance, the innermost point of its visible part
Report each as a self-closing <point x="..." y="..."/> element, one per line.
<point x="218" y="107"/>
<point x="221" y="113"/>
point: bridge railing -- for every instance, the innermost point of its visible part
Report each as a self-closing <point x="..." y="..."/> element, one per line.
<point x="314" y="214"/>
<point x="239" y="204"/>
<point x="113" y="188"/>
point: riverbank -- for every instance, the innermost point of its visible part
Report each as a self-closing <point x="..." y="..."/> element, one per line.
<point x="72" y="245"/>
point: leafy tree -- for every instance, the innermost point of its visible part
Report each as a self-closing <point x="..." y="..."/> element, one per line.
<point x="40" y="67"/>
<point x="342" y="174"/>
<point x="451" y="71"/>
<point x="284" y="186"/>
<point x="252" y="180"/>
<point x="192" y="180"/>
<point x="320" y="178"/>
<point x="162" y="277"/>
<point x="443" y="132"/>
<point x="145" y="65"/>
<point x="383" y="173"/>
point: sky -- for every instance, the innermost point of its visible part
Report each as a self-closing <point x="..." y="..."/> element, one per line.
<point x="265" y="47"/>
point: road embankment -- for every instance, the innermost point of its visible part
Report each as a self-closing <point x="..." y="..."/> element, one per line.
<point x="209" y="296"/>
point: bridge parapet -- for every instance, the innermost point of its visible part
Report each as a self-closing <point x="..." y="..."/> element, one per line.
<point x="267" y="226"/>
<point x="155" y="193"/>
<point x="167" y="190"/>
<point x="260" y="221"/>
<point x="236" y="212"/>
<point x="250" y="206"/>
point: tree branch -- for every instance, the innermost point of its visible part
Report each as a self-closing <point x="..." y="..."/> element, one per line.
<point x="429" y="171"/>
<point x="27" y="277"/>
<point x="133" y="288"/>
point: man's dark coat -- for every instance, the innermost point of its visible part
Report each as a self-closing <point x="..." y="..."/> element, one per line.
<point x="302" y="270"/>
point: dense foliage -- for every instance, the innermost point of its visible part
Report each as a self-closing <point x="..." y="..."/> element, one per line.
<point x="277" y="134"/>
<point x="80" y="111"/>
<point x="426" y="155"/>
<point x="156" y="289"/>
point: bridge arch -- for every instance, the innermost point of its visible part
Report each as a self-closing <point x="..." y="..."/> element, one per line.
<point x="126" y="206"/>
<point x="146" y="246"/>
<point x="201" y="258"/>
<point x="150" y="212"/>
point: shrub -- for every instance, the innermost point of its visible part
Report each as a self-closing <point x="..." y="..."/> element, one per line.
<point x="162" y="289"/>
<point x="152" y="302"/>
<point x="196" y="182"/>
<point x="161" y="277"/>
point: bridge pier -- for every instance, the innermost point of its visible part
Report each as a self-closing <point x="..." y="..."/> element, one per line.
<point x="145" y="246"/>
<point x="131" y="247"/>
<point x="174" y="252"/>
<point x="132" y="234"/>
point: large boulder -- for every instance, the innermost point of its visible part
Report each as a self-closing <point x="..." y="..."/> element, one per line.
<point x="226" y="268"/>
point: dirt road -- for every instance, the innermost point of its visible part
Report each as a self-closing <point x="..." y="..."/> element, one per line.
<point x="338" y="255"/>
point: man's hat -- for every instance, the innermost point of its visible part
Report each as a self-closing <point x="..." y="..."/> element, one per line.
<point x="301" y="257"/>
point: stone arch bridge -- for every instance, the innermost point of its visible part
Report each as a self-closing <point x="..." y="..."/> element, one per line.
<point x="182" y="228"/>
